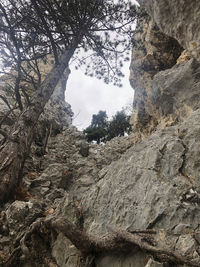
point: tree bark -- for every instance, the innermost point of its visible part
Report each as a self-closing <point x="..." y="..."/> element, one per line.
<point x="118" y="241"/>
<point x="16" y="148"/>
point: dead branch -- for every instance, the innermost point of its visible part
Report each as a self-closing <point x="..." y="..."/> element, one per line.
<point x="6" y="116"/>
<point x="12" y="258"/>
<point x="118" y="241"/>
<point x="6" y="102"/>
<point x="34" y="227"/>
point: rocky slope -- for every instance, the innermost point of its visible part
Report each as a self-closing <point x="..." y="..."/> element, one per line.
<point x="147" y="181"/>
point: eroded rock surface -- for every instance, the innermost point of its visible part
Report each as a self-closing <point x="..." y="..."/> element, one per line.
<point x="149" y="180"/>
<point x="152" y="52"/>
<point x="137" y="188"/>
<point x="178" y="19"/>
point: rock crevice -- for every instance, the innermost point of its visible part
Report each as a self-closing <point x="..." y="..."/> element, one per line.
<point x="148" y="181"/>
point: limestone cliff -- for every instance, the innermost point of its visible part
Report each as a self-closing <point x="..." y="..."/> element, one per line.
<point x="153" y="51"/>
<point x="179" y="19"/>
<point x="145" y="185"/>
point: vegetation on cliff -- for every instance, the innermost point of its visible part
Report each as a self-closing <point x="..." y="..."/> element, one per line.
<point x="30" y="30"/>
<point x="88" y="205"/>
<point x="102" y="130"/>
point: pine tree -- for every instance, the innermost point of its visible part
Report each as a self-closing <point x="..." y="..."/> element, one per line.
<point x="102" y="130"/>
<point x="32" y="29"/>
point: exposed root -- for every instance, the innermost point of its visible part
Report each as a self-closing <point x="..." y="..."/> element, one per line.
<point x="90" y="246"/>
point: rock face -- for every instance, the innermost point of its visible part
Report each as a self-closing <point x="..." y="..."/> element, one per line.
<point x="175" y="92"/>
<point x="178" y="19"/>
<point x="153" y="51"/>
<point x="149" y="180"/>
<point x="57" y="113"/>
<point x="151" y="174"/>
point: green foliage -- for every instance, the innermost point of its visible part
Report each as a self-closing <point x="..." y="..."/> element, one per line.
<point x="97" y="131"/>
<point x="119" y="125"/>
<point x="31" y="29"/>
<point x="100" y="120"/>
<point x="98" y="31"/>
<point x="102" y="130"/>
<point x="97" y="134"/>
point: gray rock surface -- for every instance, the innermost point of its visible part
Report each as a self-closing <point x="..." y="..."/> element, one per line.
<point x="176" y="91"/>
<point x="137" y="189"/>
<point x="178" y="19"/>
<point x="63" y="250"/>
<point x="127" y="260"/>
<point x="152" y="263"/>
<point x="148" y="183"/>
<point x="65" y="253"/>
<point x="21" y="214"/>
<point x="153" y="51"/>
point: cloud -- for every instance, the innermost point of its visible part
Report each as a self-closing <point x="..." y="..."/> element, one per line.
<point x="89" y="95"/>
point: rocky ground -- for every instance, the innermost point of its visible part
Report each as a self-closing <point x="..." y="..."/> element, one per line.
<point x="147" y="182"/>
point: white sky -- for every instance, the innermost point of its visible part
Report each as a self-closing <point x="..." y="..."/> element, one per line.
<point x="89" y="95"/>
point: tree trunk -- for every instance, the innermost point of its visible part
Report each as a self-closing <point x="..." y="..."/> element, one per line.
<point x="16" y="148"/>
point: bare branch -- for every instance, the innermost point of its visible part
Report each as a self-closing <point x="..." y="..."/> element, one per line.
<point x="119" y="240"/>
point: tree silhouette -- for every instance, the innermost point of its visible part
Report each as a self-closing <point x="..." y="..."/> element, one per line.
<point x="31" y="30"/>
<point x="97" y="131"/>
<point x="102" y="130"/>
<point x="119" y="125"/>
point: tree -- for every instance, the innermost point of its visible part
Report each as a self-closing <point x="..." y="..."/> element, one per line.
<point x="146" y="240"/>
<point x="99" y="120"/>
<point x="102" y="130"/>
<point x="97" y="130"/>
<point x="30" y="30"/>
<point x="119" y="125"/>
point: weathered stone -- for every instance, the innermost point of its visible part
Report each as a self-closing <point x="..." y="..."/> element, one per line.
<point x="185" y="244"/>
<point x="182" y="228"/>
<point x="127" y="260"/>
<point x="153" y="51"/>
<point x="197" y="237"/>
<point x="84" y="148"/>
<point x="152" y="263"/>
<point x="176" y="91"/>
<point x="55" y="194"/>
<point x="16" y="214"/>
<point x="54" y="176"/>
<point x="178" y="19"/>
<point x="21" y="214"/>
<point x="137" y="189"/>
<point x="65" y="253"/>
<point x="153" y="184"/>
<point x="173" y="94"/>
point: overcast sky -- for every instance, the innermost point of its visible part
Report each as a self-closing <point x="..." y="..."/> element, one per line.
<point x="89" y="95"/>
